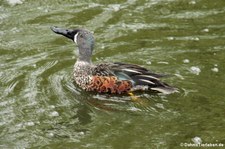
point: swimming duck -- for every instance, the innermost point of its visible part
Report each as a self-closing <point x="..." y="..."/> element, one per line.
<point x="114" y="77"/>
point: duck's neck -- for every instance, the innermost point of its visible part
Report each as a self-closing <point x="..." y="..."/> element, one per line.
<point x="81" y="62"/>
<point x="85" y="53"/>
<point x="84" y="59"/>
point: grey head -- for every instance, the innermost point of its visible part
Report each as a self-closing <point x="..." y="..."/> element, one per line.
<point x="83" y="38"/>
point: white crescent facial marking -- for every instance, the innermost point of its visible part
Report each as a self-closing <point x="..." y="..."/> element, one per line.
<point x="75" y="38"/>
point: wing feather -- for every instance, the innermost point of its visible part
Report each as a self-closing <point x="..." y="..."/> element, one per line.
<point x="137" y="75"/>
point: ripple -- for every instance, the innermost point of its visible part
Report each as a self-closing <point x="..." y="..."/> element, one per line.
<point x="10" y="88"/>
<point x="33" y="80"/>
<point x="56" y="83"/>
<point x="29" y="123"/>
<point x="194" y="14"/>
<point x="39" y="99"/>
<point x="54" y="114"/>
<point x="15" y="2"/>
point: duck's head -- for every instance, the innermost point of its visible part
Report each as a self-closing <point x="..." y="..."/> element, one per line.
<point x="83" y="39"/>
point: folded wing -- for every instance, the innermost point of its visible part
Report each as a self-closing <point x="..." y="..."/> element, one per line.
<point x="140" y="77"/>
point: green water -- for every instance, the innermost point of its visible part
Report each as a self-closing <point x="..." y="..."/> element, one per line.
<point x="41" y="108"/>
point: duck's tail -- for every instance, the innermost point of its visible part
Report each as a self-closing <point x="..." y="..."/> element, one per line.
<point x="165" y="89"/>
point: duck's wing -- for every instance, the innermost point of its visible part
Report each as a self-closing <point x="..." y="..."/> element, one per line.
<point x="140" y="77"/>
<point x="104" y="79"/>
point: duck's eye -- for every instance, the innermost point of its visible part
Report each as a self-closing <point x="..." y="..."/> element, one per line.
<point x="81" y="36"/>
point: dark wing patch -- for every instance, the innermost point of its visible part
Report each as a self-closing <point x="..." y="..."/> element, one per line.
<point x="103" y="70"/>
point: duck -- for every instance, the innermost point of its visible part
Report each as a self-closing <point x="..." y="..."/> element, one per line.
<point x="109" y="77"/>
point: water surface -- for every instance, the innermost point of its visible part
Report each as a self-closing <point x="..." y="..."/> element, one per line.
<point x="41" y="108"/>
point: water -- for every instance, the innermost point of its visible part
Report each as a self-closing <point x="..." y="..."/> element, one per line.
<point x="41" y="108"/>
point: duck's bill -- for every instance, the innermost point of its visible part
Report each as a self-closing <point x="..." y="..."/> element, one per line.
<point x="65" y="32"/>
